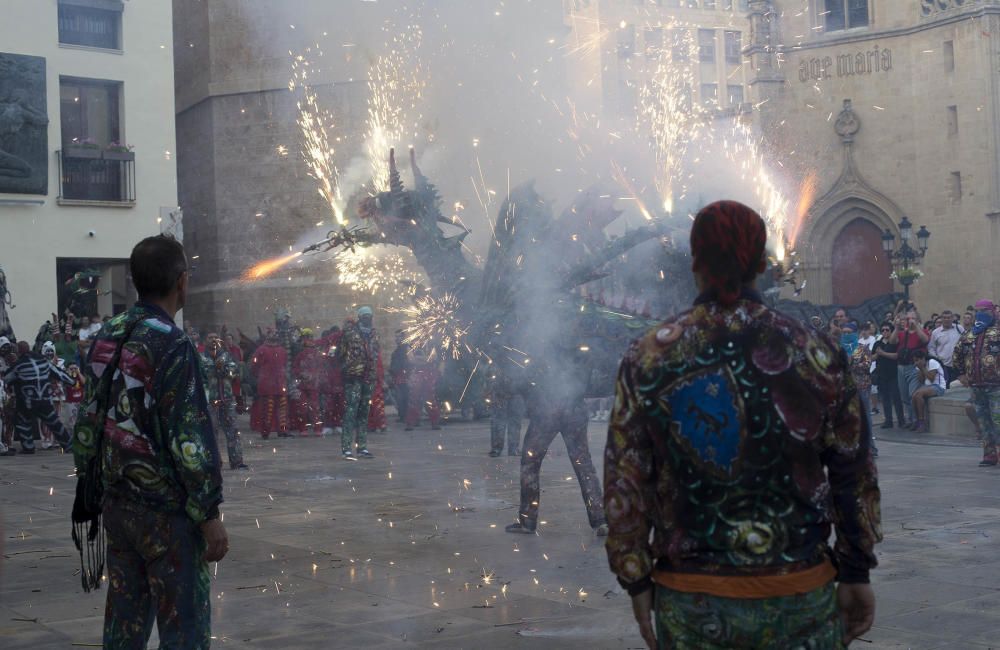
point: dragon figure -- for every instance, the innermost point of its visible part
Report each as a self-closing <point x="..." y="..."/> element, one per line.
<point x="526" y="302"/>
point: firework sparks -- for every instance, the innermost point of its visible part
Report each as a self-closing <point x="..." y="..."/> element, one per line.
<point x="395" y="86"/>
<point x="314" y="123"/>
<point x="433" y="323"/>
<point x="263" y="269"/>
<point x="389" y="275"/>
<point x="668" y="113"/>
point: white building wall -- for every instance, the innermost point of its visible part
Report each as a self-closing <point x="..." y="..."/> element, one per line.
<point x="33" y="236"/>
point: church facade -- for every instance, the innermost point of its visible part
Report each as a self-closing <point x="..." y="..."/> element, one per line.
<point x="884" y="111"/>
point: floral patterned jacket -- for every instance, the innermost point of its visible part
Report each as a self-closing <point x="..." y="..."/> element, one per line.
<point x="978" y="357"/>
<point x="358" y="354"/>
<point x="737" y="438"/>
<point x="158" y="446"/>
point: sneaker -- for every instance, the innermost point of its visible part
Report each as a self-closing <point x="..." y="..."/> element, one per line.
<point x="239" y="465"/>
<point x="518" y="527"/>
<point x="10" y="451"/>
<point x="874" y="452"/>
<point x="364" y="453"/>
<point x="27" y="451"/>
<point x="327" y="431"/>
<point x="887" y="425"/>
<point x="338" y="430"/>
<point x="923" y="426"/>
<point x="601" y="531"/>
<point x="494" y="453"/>
<point x="348" y="455"/>
<point x="875" y="411"/>
<point x="46" y="445"/>
<point x="514" y="452"/>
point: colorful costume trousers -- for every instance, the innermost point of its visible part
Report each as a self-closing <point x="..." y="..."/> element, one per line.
<point x="987" y="403"/>
<point x="156" y="572"/>
<point x="223" y="414"/>
<point x="67" y="414"/>
<point x="35" y="411"/>
<point x="542" y="430"/>
<point x="357" y="401"/>
<point x="686" y="621"/>
<point x="506" y="412"/>
<point x="273" y="413"/>
<point x="422" y="394"/>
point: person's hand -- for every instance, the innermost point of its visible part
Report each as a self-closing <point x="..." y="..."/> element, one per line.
<point x="642" y="609"/>
<point x="856" y="603"/>
<point x="216" y="540"/>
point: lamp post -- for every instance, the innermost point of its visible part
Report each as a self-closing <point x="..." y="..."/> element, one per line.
<point x="906" y="256"/>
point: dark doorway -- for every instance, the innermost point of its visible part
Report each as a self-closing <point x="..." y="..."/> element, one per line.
<point x="859" y="267"/>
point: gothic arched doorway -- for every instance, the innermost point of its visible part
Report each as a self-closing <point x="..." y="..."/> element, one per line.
<point x="859" y="267"/>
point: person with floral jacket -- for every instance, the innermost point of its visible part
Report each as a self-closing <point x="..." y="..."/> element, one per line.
<point x="221" y="373"/>
<point x="158" y="461"/>
<point x="977" y="361"/>
<point x="358" y="354"/>
<point x="736" y="445"/>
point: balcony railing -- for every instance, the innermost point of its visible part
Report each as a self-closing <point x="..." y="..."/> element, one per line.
<point x="93" y="175"/>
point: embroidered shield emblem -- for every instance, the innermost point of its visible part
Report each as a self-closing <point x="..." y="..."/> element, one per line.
<point x="705" y="410"/>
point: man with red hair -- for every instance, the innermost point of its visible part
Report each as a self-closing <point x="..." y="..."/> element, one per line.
<point x="738" y="440"/>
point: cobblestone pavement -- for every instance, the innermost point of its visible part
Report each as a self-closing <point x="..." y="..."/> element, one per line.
<point x="409" y="549"/>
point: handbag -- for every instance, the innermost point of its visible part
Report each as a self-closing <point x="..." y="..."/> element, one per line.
<point x="87" y="505"/>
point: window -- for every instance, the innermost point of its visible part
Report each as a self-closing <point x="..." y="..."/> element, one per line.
<point x="706" y="45"/>
<point x="949" y="56"/>
<point x="956" y="187"/>
<point x="93" y="23"/>
<point x="845" y="14"/>
<point x="710" y="95"/>
<point x="735" y="94"/>
<point x="953" y="120"/>
<point x="734" y="48"/>
<point x="89" y="110"/>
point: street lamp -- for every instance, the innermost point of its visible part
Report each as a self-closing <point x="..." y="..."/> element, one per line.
<point x="906" y="255"/>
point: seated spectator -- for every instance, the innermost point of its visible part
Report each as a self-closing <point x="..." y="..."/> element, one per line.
<point x="931" y="373"/>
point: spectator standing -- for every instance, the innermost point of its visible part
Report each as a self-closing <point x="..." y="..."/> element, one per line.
<point x="886" y="377"/>
<point x="942" y="344"/>
<point x="909" y="337"/>
<point x="161" y="497"/>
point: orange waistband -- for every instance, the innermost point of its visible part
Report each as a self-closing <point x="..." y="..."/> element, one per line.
<point x="772" y="586"/>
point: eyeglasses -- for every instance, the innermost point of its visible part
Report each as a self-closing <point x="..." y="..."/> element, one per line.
<point x="886" y="329"/>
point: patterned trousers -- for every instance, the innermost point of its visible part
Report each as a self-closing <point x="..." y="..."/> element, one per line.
<point x="687" y="621"/>
<point x="542" y="430"/>
<point x="987" y="403"/>
<point x="224" y="419"/>
<point x="274" y="414"/>
<point x="29" y="414"/>
<point x="506" y="412"/>
<point x="156" y="572"/>
<point x="357" y="401"/>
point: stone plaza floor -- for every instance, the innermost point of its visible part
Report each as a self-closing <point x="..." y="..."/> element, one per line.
<point x="408" y="549"/>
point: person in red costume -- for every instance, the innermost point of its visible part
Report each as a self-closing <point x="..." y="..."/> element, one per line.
<point x="376" y="414"/>
<point x="271" y="406"/>
<point x="331" y="384"/>
<point x="306" y="369"/>
<point x="423" y="380"/>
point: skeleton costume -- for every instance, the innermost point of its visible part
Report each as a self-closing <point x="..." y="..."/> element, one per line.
<point x="32" y="378"/>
